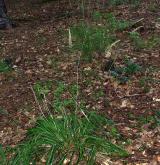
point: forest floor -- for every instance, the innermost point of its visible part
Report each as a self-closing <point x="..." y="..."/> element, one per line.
<point x="37" y="50"/>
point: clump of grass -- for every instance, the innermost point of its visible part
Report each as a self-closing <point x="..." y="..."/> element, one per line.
<point x="144" y="84"/>
<point x="90" y="39"/>
<point x="137" y="40"/>
<point x="140" y="43"/>
<point x="113" y="24"/>
<point x="67" y="137"/>
<point x="96" y="37"/>
<point x="97" y="16"/>
<point x="145" y="119"/>
<point x="3" y="111"/>
<point x="153" y="41"/>
<point x="153" y="7"/>
<point x="4" y="67"/>
<point x="41" y="89"/>
<point x="154" y="120"/>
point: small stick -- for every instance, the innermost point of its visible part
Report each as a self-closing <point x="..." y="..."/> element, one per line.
<point x="140" y="20"/>
<point x="126" y="96"/>
<point x="37" y="101"/>
<point x="131" y="95"/>
<point x="136" y="29"/>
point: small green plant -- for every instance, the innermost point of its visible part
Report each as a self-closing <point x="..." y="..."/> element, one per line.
<point x="131" y="67"/>
<point x="3" y="111"/>
<point x="144" y="84"/>
<point x="137" y="40"/>
<point x="41" y="89"/>
<point x="146" y="81"/>
<point x="153" y="7"/>
<point x="98" y="94"/>
<point x="139" y="43"/>
<point x="97" y="16"/>
<point x="154" y="120"/>
<point x="113" y="24"/>
<point x="145" y="120"/>
<point x="123" y="74"/>
<point x="90" y="39"/>
<point x="4" y="67"/>
<point x="64" y="99"/>
<point x="153" y="42"/>
<point x="53" y="62"/>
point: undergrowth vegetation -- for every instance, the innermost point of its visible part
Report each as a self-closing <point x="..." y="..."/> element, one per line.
<point x="139" y="43"/>
<point x="66" y="136"/>
<point x="124" y="74"/>
<point x="42" y="89"/>
<point x="153" y="120"/>
<point x="4" y="66"/>
<point x="90" y="39"/>
<point x="67" y="131"/>
<point x="96" y="37"/>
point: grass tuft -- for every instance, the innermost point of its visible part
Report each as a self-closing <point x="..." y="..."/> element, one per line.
<point x="4" y="67"/>
<point x="66" y="136"/>
<point x="58" y="139"/>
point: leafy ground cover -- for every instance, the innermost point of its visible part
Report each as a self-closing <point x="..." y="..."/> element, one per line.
<point x="113" y="50"/>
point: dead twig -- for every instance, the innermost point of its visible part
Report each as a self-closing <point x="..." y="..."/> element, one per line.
<point x="134" y="95"/>
<point x="136" y="29"/>
<point x="138" y="21"/>
<point x="127" y="96"/>
<point x="37" y="102"/>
